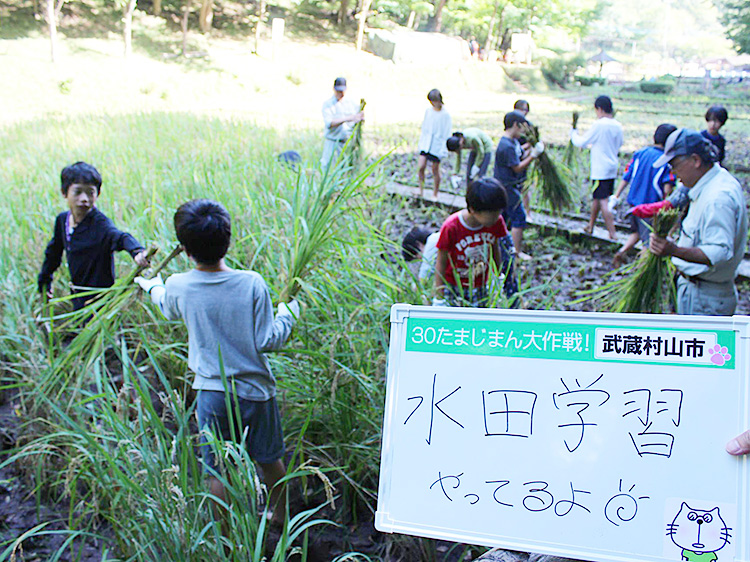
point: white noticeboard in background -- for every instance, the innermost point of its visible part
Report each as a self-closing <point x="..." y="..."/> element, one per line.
<point x="584" y="435"/>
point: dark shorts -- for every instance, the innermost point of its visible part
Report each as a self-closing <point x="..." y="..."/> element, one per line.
<point x="515" y="217"/>
<point x="641" y="227"/>
<point x="264" y="441"/>
<point x="603" y="188"/>
<point x="430" y="157"/>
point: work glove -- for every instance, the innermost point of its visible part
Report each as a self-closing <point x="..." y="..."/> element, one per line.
<point x="438" y="302"/>
<point x="148" y="284"/>
<point x="613" y="201"/>
<point x="474" y="171"/>
<point x="154" y="287"/>
<point x="456" y="182"/>
<point x="289" y="309"/>
<point x="647" y="210"/>
<point x="537" y="150"/>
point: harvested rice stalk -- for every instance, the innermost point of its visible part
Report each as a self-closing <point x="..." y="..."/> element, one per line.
<point x="100" y="318"/>
<point x="357" y="137"/>
<point x="571" y="154"/>
<point x="553" y="177"/>
<point x="648" y="287"/>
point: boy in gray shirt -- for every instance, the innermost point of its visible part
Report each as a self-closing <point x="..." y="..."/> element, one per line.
<point x="230" y="323"/>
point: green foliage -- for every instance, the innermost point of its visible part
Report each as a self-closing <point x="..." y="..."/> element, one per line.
<point x="653" y="87"/>
<point x="530" y="77"/>
<point x="561" y="68"/>
<point x="591" y="80"/>
<point x="735" y="14"/>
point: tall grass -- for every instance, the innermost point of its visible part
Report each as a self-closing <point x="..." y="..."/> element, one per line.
<point x="121" y="446"/>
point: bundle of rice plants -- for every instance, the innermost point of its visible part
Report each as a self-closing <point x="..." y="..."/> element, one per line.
<point x="648" y="283"/>
<point x="101" y="315"/>
<point x="553" y="177"/>
<point x="571" y="153"/>
<point x="312" y="215"/>
<point x="357" y="137"/>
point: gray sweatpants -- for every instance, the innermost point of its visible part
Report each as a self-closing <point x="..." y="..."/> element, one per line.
<point x="704" y="298"/>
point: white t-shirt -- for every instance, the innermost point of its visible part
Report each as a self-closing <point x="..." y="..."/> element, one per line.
<point x="436" y="128"/>
<point x="605" y="139"/>
<point x="332" y="109"/>
<point x="429" y="256"/>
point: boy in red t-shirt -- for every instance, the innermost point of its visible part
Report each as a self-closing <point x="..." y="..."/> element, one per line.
<point x="470" y="241"/>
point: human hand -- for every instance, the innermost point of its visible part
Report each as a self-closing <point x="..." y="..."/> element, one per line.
<point x="613" y="201"/>
<point x="357" y="117"/>
<point x="740" y="445"/>
<point x="474" y="171"/>
<point x="538" y="149"/>
<point x="148" y="284"/>
<point x="141" y="259"/>
<point x="289" y="309"/>
<point x="660" y="246"/>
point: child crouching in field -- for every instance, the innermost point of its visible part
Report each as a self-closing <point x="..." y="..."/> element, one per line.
<point x="469" y="240"/>
<point x="88" y="236"/>
<point x="230" y="324"/>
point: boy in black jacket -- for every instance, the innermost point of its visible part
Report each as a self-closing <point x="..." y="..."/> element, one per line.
<point x="87" y="235"/>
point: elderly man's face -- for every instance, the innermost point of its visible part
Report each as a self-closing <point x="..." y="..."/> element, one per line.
<point x="688" y="169"/>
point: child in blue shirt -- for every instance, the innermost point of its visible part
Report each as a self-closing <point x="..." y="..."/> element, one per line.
<point x="647" y="185"/>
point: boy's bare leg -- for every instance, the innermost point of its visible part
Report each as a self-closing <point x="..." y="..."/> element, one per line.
<point x="436" y="178"/>
<point x="272" y="473"/>
<point x="216" y="487"/>
<point x="517" y="234"/>
<point x="421" y="165"/>
<point x="629" y="244"/>
<point x="609" y="219"/>
<point x="595" y="206"/>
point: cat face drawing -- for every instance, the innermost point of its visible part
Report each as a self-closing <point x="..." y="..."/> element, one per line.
<point x="699" y="533"/>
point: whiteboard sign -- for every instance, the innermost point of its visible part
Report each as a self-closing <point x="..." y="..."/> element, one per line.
<point x="585" y="435"/>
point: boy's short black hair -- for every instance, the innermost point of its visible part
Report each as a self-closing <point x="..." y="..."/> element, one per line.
<point x="204" y="228"/>
<point x="409" y="247"/>
<point x="604" y="103"/>
<point x="662" y="132"/>
<point x="435" y="95"/>
<point x="718" y="112"/>
<point x="512" y="118"/>
<point x="454" y="142"/>
<point x="486" y="194"/>
<point x="82" y="173"/>
<point x="522" y="104"/>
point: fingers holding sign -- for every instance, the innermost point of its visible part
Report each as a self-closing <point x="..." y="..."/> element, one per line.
<point x="740" y="445"/>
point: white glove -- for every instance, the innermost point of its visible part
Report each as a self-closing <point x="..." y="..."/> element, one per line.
<point x="438" y="302"/>
<point x="456" y="182"/>
<point x="148" y="284"/>
<point x="474" y="171"/>
<point x="154" y="287"/>
<point x="537" y="150"/>
<point x="289" y="309"/>
<point x="613" y="201"/>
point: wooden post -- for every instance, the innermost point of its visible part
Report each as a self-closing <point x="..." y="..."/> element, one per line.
<point x="185" y="15"/>
<point x="362" y="15"/>
<point x="52" y="23"/>
<point x="259" y="25"/>
<point x="127" y="31"/>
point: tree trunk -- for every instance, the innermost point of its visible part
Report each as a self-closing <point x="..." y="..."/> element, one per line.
<point x="341" y="19"/>
<point x="410" y="23"/>
<point x="206" y="16"/>
<point x="52" y="23"/>
<point x="437" y="23"/>
<point x="259" y="25"/>
<point x="127" y="31"/>
<point x="362" y="20"/>
<point x="185" y="15"/>
<point x="157" y="7"/>
<point x="490" y="34"/>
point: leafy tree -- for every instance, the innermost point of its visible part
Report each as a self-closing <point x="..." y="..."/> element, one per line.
<point x="735" y="15"/>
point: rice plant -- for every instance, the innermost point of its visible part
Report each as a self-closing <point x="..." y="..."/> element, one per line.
<point x="553" y="177"/>
<point x="648" y="283"/>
